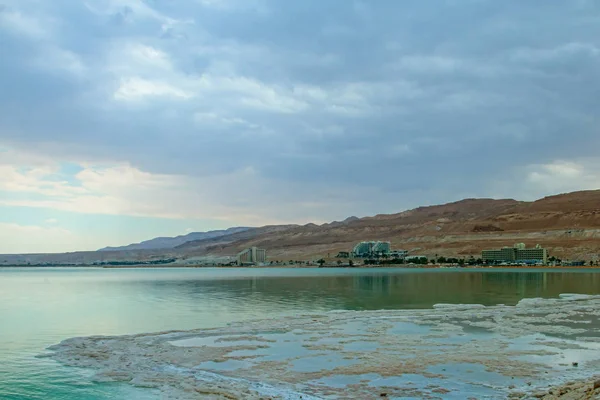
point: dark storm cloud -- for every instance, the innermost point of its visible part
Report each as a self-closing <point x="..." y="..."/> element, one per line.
<point x="404" y="96"/>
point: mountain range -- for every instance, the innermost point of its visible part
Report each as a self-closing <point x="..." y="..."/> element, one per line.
<point x="567" y="224"/>
<point x="172" y="242"/>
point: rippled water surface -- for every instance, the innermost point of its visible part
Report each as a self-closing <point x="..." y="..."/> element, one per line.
<point x="41" y="307"/>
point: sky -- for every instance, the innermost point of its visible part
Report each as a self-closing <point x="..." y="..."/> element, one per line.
<point x="123" y="120"/>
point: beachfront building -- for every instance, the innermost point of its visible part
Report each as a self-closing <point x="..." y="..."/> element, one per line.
<point x="505" y="254"/>
<point x="532" y="256"/>
<point x="252" y="256"/>
<point x="516" y="254"/>
<point x="367" y="249"/>
<point x="382" y="248"/>
<point x="362" y="249"/>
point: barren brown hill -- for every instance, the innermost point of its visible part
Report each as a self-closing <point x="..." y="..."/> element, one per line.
<point x="200" y="247"/>
<point x="567" y="224"/>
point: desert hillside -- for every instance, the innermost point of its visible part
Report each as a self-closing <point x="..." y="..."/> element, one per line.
<point x="567" y="224"/>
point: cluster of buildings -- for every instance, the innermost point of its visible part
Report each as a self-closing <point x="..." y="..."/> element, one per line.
<point x="518" y="254"/>
<point x="372" y="249"/>
<point x="364" y="249"/>
<point x="376" y="248"/>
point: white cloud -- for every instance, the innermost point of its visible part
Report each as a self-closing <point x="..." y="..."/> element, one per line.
<point x="214" y="120"/>
<point x="15" y="238"/>
<point x="126" y="58"/>
<point x="532" y="182"/>
<point x="115" y="190"/>
<point x="51" y="221"/>
<point x="132" y="89"/>
<point x="565" y="176"/>
<point x="33" y="180"/>
<point x="121" y="189"/>
<point x="565" y="51"/>
<point x="151" y="55"/>
<point x="253" y="93"/>
<point x="146" y="71"/>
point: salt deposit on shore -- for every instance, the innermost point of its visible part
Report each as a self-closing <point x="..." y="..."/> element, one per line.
<point x="450" y="352"/>
<point x="589" y="389"/>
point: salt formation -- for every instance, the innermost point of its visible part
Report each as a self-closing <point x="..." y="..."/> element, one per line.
<point x="451" y="351"/>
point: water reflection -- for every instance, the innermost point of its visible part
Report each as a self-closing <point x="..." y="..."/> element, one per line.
<point x="41" y="307"/>
<point x="371" y="290"/>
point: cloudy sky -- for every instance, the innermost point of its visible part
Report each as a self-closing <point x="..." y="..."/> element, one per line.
<point x="122" y="120"/>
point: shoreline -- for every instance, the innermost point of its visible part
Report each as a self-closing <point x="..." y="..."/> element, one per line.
<point x="387" y="266"/>
<point x="583" y="389"/>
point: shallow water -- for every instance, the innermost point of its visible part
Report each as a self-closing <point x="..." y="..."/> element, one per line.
<point x="42" y="307"/>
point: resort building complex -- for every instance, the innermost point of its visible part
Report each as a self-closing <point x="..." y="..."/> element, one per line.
<point x="366" y="249"/>
<point x="516" y="254"/>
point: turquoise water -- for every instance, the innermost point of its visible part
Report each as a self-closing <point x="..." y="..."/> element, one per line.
<point x="40" y="307"/>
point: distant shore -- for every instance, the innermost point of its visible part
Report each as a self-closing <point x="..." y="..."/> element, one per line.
<point x="197" y="266"/>
<point x="353" y="267"/>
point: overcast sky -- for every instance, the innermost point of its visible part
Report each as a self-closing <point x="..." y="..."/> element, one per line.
<point x="122" y="120"/>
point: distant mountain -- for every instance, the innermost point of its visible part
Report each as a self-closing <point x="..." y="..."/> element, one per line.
<point x="341" y="223"/>
<point x="203" y="246"/>
<point x="172" y="242"/>
<point x="568" y="225"/>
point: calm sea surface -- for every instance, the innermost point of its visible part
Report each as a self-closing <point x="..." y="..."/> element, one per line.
<point x="41" y="307"/>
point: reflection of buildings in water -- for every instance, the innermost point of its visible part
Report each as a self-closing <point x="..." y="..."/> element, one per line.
<point x="376" y="283"/>
<point x="376" y="290"/>
<point x="545" y="285"/>
<point x="481" y="287"/>
<point x="528" y="284"/>
<point x="422" y="288"/>
<point x="524" y="284"/>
